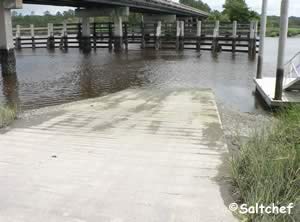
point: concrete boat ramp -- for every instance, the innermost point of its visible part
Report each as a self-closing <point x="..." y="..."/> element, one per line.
<point x="133" y="156"/>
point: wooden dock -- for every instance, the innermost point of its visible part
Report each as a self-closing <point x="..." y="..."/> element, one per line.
<point x="215" y="36"/>
<point x="266" y="88"/>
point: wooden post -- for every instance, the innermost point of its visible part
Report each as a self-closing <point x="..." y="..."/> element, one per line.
<point x="110" y="36"/>
<point x="284" y="23"/>
<point x="51" y="39"/>
<point x="64" y="36"/>
<point x="252" y="39"/>
<point x="181" y="36"/>
<point x="143" y="43"/>
<point x="234" y="36"/>
<point x="32" y="35"/>
<point x="178" y="32"/>
<point x="95" y="35"/>
<point x="158" y="35"/>
<point x="263" y="27"/>
<point x="199" y="31"/>
<point x="79" y="33"/>
<point x="18" y="37"/>
<point x="215" y="42"/>
<point x="126" y="35"/>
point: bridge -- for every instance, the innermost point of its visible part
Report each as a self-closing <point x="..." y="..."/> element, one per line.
<point x="141" y="6"/>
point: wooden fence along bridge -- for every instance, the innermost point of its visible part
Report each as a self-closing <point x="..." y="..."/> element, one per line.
<point x="215" y="36"/>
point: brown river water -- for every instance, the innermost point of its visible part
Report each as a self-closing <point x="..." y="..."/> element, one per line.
<point x="49" y="78"/>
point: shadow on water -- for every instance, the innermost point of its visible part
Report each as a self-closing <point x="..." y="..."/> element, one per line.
<point x="10" y="89"/>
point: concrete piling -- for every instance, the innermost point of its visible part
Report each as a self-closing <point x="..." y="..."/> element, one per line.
<point x="18" y="43"/>
<point x="158" y="35"/>
<point x="125" y="38"/>
<point x="85" y="41"/>
<point x="199" y="31"/>
<point x="177" y="34"/>
<point x="94" y="35"/>
<point x="110" y="36"/>
<point x="64" y="37"/>
<point x="252" y="39"/>
<point x="143" y="40"/>
<point x="32" y="34"/>
<point x="181" y="36"/>
<point x="215" y="42"/>
<point x="51" y="39"/>
<point x="263" y="28"/>
<point x="234" y="36"/>
<point x="284" y="23"/>
<point x="7" y="53"/>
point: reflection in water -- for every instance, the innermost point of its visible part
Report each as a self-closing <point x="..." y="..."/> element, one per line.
<point x="49" y="78"/>
<point x="10" y="89"/>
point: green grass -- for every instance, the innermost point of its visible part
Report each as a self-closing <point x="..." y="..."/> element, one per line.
<point x="267" y="168"/>
<point x="274" y="32"/>
<point x="7" y="115"/>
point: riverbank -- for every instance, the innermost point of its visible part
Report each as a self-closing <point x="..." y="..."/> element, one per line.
<point x="274" y="32"/>
<point x="7" y="115"/>
<point x="266" y="167"/>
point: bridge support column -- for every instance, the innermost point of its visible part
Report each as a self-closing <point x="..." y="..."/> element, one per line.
<point x="85" y="40"/>
<point x="118" y="33"/>
<point x="7" y="53"/>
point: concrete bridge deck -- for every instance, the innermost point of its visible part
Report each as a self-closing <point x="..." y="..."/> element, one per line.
<point x="137" y="155"/>
<point x="148" y="6"/>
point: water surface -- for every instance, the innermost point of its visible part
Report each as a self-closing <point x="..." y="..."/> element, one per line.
<point x="48" y="78"/>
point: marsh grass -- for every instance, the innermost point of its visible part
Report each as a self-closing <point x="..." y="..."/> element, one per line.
<point x="7" y="115"/>
<point x="267" y="168"/>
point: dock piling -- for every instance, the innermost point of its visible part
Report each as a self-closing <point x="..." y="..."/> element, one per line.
<point x="18" y="43"/>
<point x="252" y="39"/>
<point x="32" y="34"/>
<point x="284" y="23"/>
<point x="215" y="42"/>
<point x="158" y="35"/>
<point x="51" y="39"/>
<point x="64" y="36"/>
<point x="263" y="27"/>
<point x="234" y="36"/>
<point x="143" y="41"/>
<point x="199" y="31"/>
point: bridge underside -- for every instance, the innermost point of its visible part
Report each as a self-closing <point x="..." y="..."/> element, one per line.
<point x="144" y="6"/>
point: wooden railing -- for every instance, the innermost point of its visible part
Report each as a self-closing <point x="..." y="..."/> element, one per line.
<point x="214" y="36"/>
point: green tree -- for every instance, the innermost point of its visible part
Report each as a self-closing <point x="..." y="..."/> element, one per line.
<point x="217" y="15"/>
<point x="196" y="4"/>
<point x="237" y="10"/>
